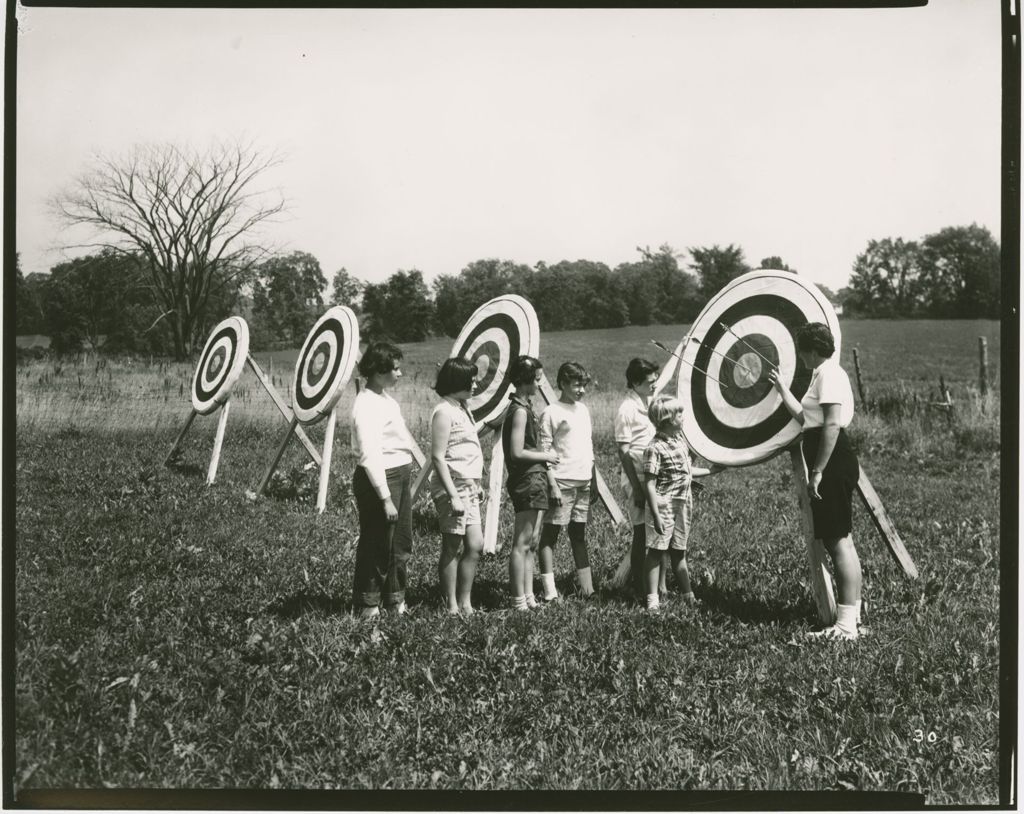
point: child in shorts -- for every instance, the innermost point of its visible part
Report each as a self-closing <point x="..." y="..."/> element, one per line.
<point x="455" y="482"/>
<point x="527" y="477"/>
<point x="565" y="428"/>
<point x="667" y="479"/>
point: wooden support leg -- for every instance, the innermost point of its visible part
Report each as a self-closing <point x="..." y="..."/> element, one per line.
<point x="181" y="435"/>
<point x="884" y="525"/>
<point x="821" y="581"/>
<point x="277" y="457"/>
<point x="497" y="476"/>
<point x="325" y="466"/>
<point x="284" y="408"/>
<point x="218" y="441"/>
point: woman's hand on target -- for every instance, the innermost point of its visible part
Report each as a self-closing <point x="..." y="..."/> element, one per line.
<point x="773" y="377"/>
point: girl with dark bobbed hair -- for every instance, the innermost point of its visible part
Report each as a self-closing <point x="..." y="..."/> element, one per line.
<point x="825" y="411"/>
<point x="455" y="482"/>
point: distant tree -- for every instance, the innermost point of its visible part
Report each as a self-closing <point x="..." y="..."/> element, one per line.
<point x="577" y="294"/>
<point x="189" y="215"/>
<point x="287" y="297"/>
<point x="656" y="289"/>
<point x="399" y="308"/>
<point x="99" y="299"/>
<point x="28" y="312"/>
<point x="775" y="262"/>
<point x="716" y="267"/>
<point x="960" y="274"/>
<point x="457" y="297"/>
<point x="347" y="290"/>
<point x="885" y="280"/>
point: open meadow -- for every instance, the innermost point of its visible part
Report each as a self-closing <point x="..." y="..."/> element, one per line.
<point x="173" y="635"/>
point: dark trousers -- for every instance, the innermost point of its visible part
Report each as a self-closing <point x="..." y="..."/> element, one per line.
<point x="383" y="549"/>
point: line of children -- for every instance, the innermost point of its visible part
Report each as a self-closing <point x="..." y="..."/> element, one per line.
<point x="550" y="465"/>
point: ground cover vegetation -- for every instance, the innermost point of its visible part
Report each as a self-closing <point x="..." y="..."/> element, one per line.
<point x="169" y="634"/>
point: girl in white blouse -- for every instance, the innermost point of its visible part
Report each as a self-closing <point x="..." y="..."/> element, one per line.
<point x="381" y="485"/>
<point x="455" y="482"/>
<point x="825" y="412"/>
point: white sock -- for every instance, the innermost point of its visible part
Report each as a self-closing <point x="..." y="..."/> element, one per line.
<point x="653" y="601"/>
<point x="858" y="603"/>
<point x="547" y="581"/>
<point x="846" y="619"/>
<point x="585" y="580"/>
<point x="519" y="602"/>
<point x="531" y="600"/>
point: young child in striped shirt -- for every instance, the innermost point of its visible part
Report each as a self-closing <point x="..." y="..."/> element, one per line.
<point x="668" y="475"/>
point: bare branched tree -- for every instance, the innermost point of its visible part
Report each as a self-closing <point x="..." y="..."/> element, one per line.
<point x="191" y="215"/>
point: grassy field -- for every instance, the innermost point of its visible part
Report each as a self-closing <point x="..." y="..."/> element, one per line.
<point x="171" y="635"/>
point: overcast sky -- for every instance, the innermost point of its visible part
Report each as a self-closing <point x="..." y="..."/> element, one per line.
<point x="431" y="138"/>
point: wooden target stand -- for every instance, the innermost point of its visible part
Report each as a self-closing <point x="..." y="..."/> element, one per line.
<point x="218" y="441"/>
<point x="496" y="476"/>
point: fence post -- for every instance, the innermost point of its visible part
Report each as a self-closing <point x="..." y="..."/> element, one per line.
<point x="983" y="365"/>
<point x="860" y="383"/>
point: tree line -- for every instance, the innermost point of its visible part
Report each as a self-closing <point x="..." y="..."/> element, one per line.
<point x="174" y="249"/>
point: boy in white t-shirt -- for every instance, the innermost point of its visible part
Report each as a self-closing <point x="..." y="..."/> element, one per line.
<point x="565" y="428"/>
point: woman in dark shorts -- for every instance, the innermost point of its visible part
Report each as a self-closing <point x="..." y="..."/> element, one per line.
<point x="527" y="477"/>
<point x="825" y="411"/>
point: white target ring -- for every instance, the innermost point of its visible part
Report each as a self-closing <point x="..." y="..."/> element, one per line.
<point x="220" y="364"/>
<point x="498" y="331"/>
<point x="325" y="364"/>
<point x="733" y="414"/>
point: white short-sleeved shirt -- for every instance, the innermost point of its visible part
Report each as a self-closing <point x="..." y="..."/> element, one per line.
<point x="380" y="439"/>
<point x="633" y="426"/>
<point x="566" y="428"/>
<point x="829" y="385"/>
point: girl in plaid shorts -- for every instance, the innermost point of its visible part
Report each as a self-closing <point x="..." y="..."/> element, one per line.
<point x="667" y="478"/>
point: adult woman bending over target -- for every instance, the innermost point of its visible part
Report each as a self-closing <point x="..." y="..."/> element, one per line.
<point x="381" y="485"/>
<point x="825" y="412"/>
<point x="455" y="482"/>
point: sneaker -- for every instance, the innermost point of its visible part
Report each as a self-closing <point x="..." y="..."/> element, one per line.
<point x="369" y="612"/>
<point x="531" y="601"/>
<point x="398" y="610"/>
<point x="554" y="600"/>
<point x="832" y="633"/>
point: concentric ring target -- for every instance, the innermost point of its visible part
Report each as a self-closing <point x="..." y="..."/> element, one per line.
<point x="325" y="364"/>
<point x="220" y="364"/>
<point x="733" y="414"/>
<point x="497" y="332"/>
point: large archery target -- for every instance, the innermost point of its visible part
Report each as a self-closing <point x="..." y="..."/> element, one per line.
<point x="220" y="364"/>
<point x="497" y="332"/>
<point x="740" y="419"/>
<point x="325" y="364"/>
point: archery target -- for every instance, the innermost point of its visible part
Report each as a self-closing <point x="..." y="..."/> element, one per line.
<point x="220" y="364"/>
<point x="740" y="418"/>
<point x="497" y="332"/>
<point x="325" y="364"/>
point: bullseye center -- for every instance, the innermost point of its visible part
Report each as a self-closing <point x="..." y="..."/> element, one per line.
<point x="217" y="361"/>
<point x="483" y="365"/>
<point x="316" y="366"/>
<point x="747" y="370"/>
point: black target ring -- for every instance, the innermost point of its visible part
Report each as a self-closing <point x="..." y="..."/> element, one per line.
<point x="500" y="330"/>
<point x="324" y="365"/>
<point x="220" y="364"/>
<point x="745" y="437"/>
<point x="733" y="414"/>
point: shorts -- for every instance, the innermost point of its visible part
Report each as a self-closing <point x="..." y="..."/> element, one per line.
<point x="675" y="517"/>
<point x="833" y="514"/>
<point x="575" y="505"/>
<point x="529" y="492"/>
<point x="469" y="492"/>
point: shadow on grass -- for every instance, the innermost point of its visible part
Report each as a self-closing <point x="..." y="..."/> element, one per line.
<point x="301" y="602"/>
<point x="183" y="467"/>
<point x="741" y="606"/>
